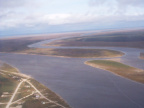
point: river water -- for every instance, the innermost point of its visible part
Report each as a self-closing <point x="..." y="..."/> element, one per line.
<point x="80" y="85"/>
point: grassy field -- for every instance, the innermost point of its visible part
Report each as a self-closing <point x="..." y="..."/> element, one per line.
<point x="131" y="38"/>
<point x="142" y="55"/>
<point x="2" y="106"/>
<point x="99" y="53"/>
<point x="10" y="77"/>
<point x="7" y="83"/>
<point x="23" y="91"/>
<point x="32" y="102"/>
<point x="9" y="68"/>
<point x="119" y="69"/>
<point x="49" y="94"/>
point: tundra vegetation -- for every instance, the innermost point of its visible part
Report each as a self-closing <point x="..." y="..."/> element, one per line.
<point x="119" y="69"/>
<point x="130" y="38"/>
<point x="32" y="94"/>
<point x="98" y="53"/>
<point x="22" y="91"/>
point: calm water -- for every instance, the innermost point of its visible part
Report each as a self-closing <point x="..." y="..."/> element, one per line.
<point x="80" y="85"/>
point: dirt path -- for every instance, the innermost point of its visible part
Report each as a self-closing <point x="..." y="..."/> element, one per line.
<point x="44" y="96"/>
<point x="10" y="101"/>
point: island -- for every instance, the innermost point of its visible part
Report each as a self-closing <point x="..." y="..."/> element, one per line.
<point x="78" y="53"/>
<point x="118" y="68"/>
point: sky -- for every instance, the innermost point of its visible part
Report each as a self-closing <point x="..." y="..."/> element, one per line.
<point x="21" y="17"/>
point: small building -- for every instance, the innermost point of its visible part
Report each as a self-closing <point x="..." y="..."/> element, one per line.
<point x="5" y="93"/>
<point x="37" y="96"/>
<point x="43" y="102"/>
<point x="27" y="86"/>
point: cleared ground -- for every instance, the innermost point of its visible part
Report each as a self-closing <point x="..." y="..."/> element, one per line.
<point x="119" y="69"/>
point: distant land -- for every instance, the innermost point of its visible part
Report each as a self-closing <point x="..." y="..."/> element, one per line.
<point x="82" y="45"/>
<point x="112" y="38"/>
<point x="13" y="33"/>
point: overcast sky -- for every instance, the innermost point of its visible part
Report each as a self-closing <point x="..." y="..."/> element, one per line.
<point x="44" y="16"/>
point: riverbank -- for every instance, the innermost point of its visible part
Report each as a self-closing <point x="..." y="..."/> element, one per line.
<point x="118" y="68"/>
<point x="20" y="90"/>
<point x="80" y="85"/>
<point x="76" y="53"/>
<point x="129" y="39"/>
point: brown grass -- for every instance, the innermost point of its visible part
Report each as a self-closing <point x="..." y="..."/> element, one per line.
<point x="119" y="69"/>
<point x="99" y="53"/>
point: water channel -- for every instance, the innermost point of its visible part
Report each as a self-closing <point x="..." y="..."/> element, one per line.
<point x="80" y="85"/>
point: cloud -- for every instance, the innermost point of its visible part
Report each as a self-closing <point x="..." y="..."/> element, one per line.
<point x="119" y="7"/>
<point x="134" y="3"/>
<point x="97" y="2"/>
<point x="37" y="13"/>
<point x="11" y="3"/>
<point x="14" y="20"/>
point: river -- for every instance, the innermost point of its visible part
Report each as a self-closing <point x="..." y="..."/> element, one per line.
<point x="80" y="85"/>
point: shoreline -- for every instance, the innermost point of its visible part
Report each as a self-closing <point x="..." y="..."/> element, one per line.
<point x="120" y="55"/>
<point x="88" y="46"/>
<point x="98" y="67"/>
<point x="31" y="79"/>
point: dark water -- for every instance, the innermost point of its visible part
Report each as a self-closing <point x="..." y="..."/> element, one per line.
<point x="80" y="85"/>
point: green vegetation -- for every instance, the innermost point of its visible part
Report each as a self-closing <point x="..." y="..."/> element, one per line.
<point x="30" y="94"/>
<point x="9" y="68"/>
<point x="100" y="53"/>
<point x="7" y="84"/>
<point x="131" y="38"/>
<point x="142" y="55"/>
<point x="2" y="106"/>
<point x="119" y="69"/>
<point x="33" y="102"/>
<point x="37" y="104"/>
<point x="49" y="94"/>
<point x="23" y="91"/>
